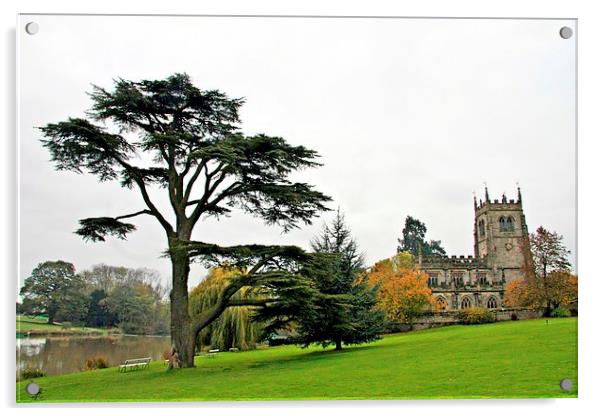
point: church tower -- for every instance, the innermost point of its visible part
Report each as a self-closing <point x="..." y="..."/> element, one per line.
<point x="500" y="236"/>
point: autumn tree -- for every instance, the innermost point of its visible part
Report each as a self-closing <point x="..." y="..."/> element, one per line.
<point x="414" y="239"/>
<point x="404" y="293"/>
<point x="169" y="134"/>
<point x="547" y="282"/>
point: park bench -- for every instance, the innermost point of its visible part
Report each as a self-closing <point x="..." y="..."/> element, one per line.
<point x="135" y="364"/>
<point x="212" y="353"/>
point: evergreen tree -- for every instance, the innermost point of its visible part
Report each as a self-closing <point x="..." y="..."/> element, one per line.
<point x="169" y="134"/>
<point x="414" y="241"/>
<point x="344" y="311"/>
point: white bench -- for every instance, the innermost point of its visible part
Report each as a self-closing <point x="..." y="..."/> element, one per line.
<point x="135" y="364"/>
<point x="212" y="353"/>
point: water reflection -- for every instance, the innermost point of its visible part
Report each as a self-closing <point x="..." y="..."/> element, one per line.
<point x="61" y="355"/>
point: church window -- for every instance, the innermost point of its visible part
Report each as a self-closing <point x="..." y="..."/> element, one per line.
<point x="433" y="279"/>
<point x="457" y="278"/>
<point x="482" y="228"/>
<point x="502" y="224"/>
<point x="506" y="224"/>
<point x="466" y="303"/>
<point x="492" y="303"/>
<point x="509" y="224"/>
<point x="441" y="303"/>
<point x="482" y="278"/>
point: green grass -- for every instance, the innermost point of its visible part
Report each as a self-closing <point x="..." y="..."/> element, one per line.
<point x="503" y="360"/>
<point x="40" y="326"/>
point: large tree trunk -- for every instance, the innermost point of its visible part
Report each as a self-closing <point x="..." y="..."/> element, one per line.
<point x="51" y="312"/>
<point x="182" y="336"/>
<point x="338" y="344"/>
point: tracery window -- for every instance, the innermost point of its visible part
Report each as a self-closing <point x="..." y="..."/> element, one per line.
<point x="506" y="224"/>
<point x="492" y="303"/>
<point x="466" y="303"/>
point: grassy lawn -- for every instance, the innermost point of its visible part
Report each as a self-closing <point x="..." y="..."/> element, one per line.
<point x="503" y="360"/>
<point x="40" y="326"/>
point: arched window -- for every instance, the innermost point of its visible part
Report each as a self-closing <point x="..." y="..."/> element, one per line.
<point x="491" y="303"/>
<point x="433" y="279"/>
<point x="466" y="303"/>
<point x="509" y="224"/>
<point x="506" y="224"/>
<point x="441" y="303"/>
<point x="502" y="223"/>
<point x="482" y="228"/>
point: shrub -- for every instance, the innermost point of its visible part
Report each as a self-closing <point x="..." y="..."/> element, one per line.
<point x="471" y="316"/>
<point x="28" y="373"/>
<point x="560" y="312"/>
<point x="96" y="363"/>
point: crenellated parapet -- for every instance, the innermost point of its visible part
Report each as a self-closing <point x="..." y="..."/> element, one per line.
<point x="446" y="262"/>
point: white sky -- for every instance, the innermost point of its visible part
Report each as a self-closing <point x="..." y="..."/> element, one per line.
<point x="410" y="116"/>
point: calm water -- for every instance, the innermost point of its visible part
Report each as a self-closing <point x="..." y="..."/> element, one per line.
<point x="61" y="355"/>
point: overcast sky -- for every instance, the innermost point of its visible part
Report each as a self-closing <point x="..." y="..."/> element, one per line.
<point x="410" y="117"/>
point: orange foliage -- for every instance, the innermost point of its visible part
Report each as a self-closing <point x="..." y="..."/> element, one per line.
<point x="517" y="293"/>
<point x="403" y="293"/>
<point x="559" y="288"/>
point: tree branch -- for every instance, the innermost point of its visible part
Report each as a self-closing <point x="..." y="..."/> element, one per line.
<point x="135" y="214"/>
<point x="250" y="302"/>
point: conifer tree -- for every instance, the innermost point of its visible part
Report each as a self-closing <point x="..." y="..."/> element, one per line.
<point x="344" y="311"/>
<point x="169" y="134"/>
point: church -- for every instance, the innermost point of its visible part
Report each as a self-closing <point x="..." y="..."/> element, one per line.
<point x="501" y="242"/>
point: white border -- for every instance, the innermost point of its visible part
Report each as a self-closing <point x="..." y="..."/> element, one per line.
<point x="590" y="94"/>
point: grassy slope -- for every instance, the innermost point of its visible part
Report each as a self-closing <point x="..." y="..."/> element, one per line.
<point x="509" y="359"/>
<point x="40" y="326"/>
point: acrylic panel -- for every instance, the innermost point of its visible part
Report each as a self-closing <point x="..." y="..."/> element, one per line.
<point x="229" y="208"/>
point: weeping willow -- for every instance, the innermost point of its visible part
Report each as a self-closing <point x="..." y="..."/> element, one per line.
<point x="234" y="328"/>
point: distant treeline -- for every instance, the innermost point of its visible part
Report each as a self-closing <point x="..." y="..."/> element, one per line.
<point x="133" y="300"/>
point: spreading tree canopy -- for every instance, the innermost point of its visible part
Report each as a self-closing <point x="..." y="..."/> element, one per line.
<point x="51" y="287"/>
<point x="206" y="166"/>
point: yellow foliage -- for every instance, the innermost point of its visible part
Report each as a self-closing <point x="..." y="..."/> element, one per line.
<point x="403" y="293"/>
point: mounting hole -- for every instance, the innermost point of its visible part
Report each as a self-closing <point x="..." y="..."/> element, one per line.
<point x="32" y="28"/>
<point x="566" y="384"/>
<point x="566" y="32"/>
<point x="33" y="389"/>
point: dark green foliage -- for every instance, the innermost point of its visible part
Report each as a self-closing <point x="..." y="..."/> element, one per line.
<point x="560" y="312"/>
<point x="51" y="287"/>
<point x="95" y="229"/>
<point x="206" y="164"/>
<point x="344" y="310"/>
<point x="134" y="304"/>
<point x="98" y="315"/>
<point x="473" y="316"/>
<point x="413" y="240"/>
<point x="189" y="132"/>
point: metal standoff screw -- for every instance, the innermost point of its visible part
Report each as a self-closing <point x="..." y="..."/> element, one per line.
<point x="566" y="384"/>
<point x="32" y="28"/>
<point x="566" y="32"/>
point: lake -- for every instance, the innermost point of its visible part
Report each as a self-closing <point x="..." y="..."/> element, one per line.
<point x="68" y="354"/>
